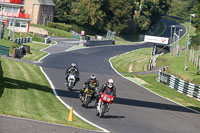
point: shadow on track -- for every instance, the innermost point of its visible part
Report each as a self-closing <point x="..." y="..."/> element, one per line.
<point x="113" y="116"/>
<point x="147" y="104"/>
<point x="133" y="102"/>
<point x="70" y="94"/>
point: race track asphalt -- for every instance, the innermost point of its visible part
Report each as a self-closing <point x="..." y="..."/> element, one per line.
<point x="135" y="110"/>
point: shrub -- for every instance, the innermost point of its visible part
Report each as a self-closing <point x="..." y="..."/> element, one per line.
<point x="60" y="26"/>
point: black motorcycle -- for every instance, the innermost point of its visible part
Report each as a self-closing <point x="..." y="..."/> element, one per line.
<point x="88" y="95"/>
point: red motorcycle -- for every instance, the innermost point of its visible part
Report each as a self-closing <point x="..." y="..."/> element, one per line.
<point x="103" y="104"/>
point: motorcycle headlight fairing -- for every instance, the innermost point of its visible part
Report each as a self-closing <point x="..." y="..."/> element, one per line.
<point x="108" y="99"/>
<point x="104" y="98"/>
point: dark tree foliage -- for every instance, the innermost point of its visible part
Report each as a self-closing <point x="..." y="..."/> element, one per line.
<point x="63" y="11"/>
<point x="115" y="15"/>
<point x="196" y="39"/>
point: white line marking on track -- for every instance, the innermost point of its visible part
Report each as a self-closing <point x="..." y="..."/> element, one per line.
<point x="55" y="93"/>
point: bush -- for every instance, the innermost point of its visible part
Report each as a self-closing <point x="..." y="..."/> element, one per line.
<point x="60" y="26"/>
<point x="76" y="28"/>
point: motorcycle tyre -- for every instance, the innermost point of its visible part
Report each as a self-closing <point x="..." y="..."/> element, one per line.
<point x="103" y="109"/>
<point x="70" y="87"/>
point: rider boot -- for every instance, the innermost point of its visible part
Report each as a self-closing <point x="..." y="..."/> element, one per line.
<point x="81" y="93"/>
<point x="108" y="108"/>
<point x="66" y="79"/>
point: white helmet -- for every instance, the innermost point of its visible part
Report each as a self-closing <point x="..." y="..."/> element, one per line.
<point x="110" y="83"/>
<point x="73" y="64"/>
<point x="93" y="78"/>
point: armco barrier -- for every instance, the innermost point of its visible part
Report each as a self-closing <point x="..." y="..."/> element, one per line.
<point x="179" y="85"/>
<point x="99" y="43"/>
<point x="4" y="50"/>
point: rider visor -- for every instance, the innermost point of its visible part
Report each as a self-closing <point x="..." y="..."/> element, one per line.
<point x="93" y="80"/>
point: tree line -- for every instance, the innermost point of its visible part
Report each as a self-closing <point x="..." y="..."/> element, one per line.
<point x="121" y="16"/>
<point x="196" y="23"/>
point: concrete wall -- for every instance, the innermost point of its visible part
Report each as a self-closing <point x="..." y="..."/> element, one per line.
<point x="99" y="43"/>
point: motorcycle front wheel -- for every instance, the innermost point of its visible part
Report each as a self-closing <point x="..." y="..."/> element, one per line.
<point x="87" y="101"/>
<point x="70" y="86"/>
<point x="102" y="110"/>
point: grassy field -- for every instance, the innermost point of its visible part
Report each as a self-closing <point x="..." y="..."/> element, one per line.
<point x="21" y="35"/>
<point x="25" y="92"/>
<point x="176" y="67"/>
<point x="169" y="93"/>
<point x="55" y="32"/>
<point x="138" y="59"/>
<point x="135" y="61"/>
<point x="35" y="54"/>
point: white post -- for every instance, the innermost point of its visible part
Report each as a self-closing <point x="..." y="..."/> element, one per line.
<point x="172" y="26"/>
<point x="188" y="38"/>
<point x="171" y="39"/>
<point x="179" y="36"/>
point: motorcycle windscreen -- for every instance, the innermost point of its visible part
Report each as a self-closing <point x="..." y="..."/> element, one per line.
<point x="108" y="92"/>
<point x="73" y="72"/>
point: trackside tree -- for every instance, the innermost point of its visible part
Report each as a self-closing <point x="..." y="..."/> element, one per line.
<point x="121" y="16"/>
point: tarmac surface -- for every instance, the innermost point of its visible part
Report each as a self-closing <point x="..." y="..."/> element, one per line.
<point x="135" y="109"/>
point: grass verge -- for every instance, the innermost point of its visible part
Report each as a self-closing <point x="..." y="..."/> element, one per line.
<point x="25" y="92"/>
<point x="76" y="47"/>
<point x="54" y="31"/>
<point x="167" y="92"/>
<point x="136" y="59"/>
<point x="35" y="54"/>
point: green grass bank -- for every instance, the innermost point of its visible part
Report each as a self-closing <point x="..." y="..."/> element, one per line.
<point x="25" y="92"/>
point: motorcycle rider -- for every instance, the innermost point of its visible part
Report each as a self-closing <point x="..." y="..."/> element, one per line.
<point x="91" y="82"/>
<point x="74" y="70"/>
<point x="107" y="87"/>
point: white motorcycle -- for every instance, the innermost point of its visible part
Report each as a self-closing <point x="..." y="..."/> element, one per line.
<point x="71" y="81"/>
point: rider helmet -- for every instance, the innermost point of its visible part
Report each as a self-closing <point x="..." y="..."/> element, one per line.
<point x="110" y="83"/>
<point x="73" y="65"/>
<point x="93" y="78"/>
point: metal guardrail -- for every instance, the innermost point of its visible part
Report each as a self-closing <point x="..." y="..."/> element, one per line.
<point x="4" y="50"/>
<point x="179" y="85"/>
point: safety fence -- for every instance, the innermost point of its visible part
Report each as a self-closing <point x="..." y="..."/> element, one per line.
<point x="179" y="85"/>
<point x="4" y="50"/>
